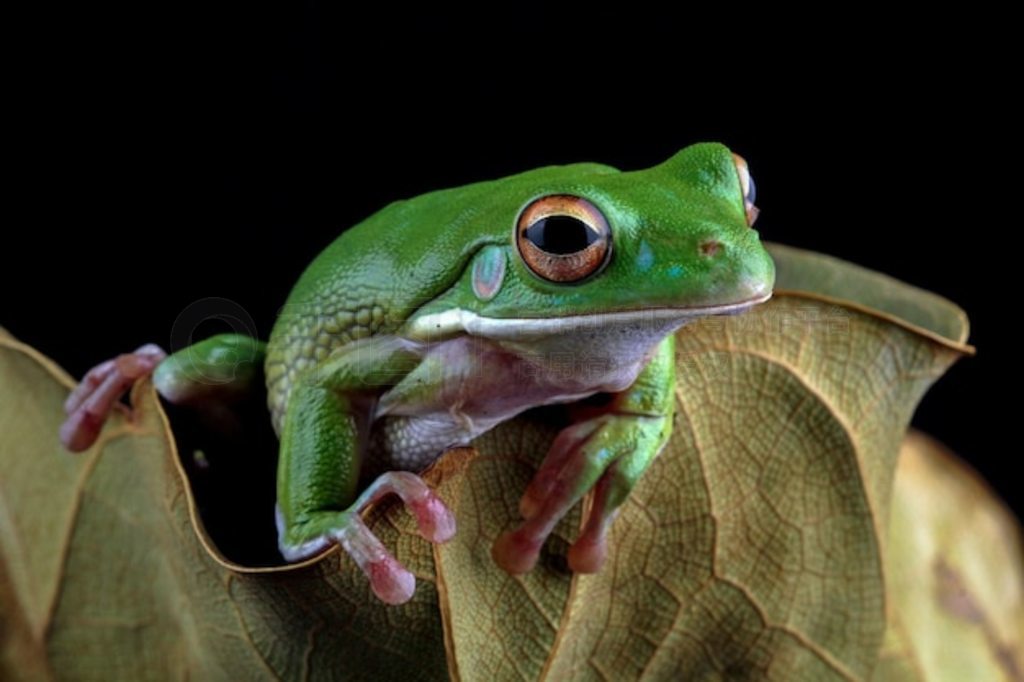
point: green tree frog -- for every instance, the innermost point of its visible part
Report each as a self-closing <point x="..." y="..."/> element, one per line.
<point x="442" y="316"/>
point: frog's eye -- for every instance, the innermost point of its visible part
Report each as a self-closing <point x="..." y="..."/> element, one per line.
<point x="748" y="188"/>
<point x="563" y="238"/>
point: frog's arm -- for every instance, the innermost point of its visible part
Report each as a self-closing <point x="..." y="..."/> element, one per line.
<point x="609" y="453"/>
<point x="217" y="370"/>
<point x="327" y="419"/>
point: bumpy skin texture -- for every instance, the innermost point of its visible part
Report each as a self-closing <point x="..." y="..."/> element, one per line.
<point x="423" y="327"/>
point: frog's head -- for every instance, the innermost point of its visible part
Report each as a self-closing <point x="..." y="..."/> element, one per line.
<point x="584" y="242"/>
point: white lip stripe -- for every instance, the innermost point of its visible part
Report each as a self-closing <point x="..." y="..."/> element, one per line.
<point x="458" y="321"/>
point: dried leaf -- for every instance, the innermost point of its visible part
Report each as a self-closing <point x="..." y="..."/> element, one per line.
<point x="753" y="547"/>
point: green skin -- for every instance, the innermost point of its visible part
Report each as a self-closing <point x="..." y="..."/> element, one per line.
<point x="402" y="338"/>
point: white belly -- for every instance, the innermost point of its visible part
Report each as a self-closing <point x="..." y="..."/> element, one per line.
<point x="474" y="384"/>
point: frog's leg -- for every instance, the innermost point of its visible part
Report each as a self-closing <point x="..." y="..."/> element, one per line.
<point x="326" y="424"/>
<point x="219" y="369"/>
<point x="607" y="453"/>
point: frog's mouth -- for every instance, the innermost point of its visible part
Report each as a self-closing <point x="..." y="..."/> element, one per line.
<point x="457" y="321"/>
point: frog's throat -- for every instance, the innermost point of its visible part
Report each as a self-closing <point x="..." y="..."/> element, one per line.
<point x="454" y="322"/>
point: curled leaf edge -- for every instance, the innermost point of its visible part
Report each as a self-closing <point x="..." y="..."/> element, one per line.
<point x="143" y="395"/>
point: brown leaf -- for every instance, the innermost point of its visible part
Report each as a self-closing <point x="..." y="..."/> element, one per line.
<point x="753" y="547"/>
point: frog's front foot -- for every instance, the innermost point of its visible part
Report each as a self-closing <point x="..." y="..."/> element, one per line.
<point x="607" y="455"/>
<point x="390" y="580"/>
<point x="92" y="401"/>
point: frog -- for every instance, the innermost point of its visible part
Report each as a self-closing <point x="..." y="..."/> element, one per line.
<point x="440" y="317"/>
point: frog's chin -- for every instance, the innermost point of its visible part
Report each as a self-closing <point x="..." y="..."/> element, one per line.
<point x="455" y="322"/>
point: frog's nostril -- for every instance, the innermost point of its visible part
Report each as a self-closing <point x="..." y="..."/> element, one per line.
<point x="710" y="248"/>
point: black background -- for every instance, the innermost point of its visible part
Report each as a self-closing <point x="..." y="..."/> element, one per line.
<point x="162" y="159"/>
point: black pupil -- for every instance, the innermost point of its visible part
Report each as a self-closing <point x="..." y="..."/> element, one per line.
<point x="560" y="234"/>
